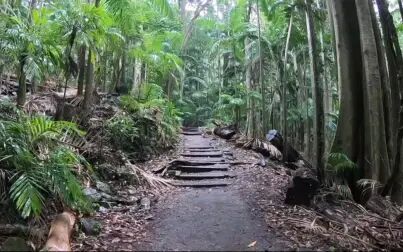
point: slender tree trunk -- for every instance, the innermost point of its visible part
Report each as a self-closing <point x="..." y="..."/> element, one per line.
<point x="283" y="72"/>
<point x="34" y="84"/>
<point x="89" y="85"/>
<point x="22" y="84"/>
<point x="263" y="116"/>
<point x="400" y="8"/>
<point x="319" y="122"/>
<point x="81" y="71"/>
<point x="89" y="82"/>
<point x="123" y="72"/>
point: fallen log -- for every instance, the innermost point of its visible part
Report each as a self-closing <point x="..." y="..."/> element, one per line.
<point x="60" y="232"/>
<point x="21" y="230"/>
<point x="226" y="132"/>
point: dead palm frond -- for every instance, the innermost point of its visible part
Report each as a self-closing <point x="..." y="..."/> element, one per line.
<point x="152" y="180"/>
<point x="369" y="185"/>
<point x="308" y="225"/>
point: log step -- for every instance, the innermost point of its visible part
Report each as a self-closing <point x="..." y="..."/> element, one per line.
<point x="201" y="183"/>
<point x="203" y="168"/>
<point x="201" y="150"/>
<point x="189" y="133"/>
<point x="206" y="161"/>
<point x="199" y="147"/>
<point x="202" y="154"/>
<point x="204" y="175"/>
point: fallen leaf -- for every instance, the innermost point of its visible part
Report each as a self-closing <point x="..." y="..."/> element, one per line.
<point x="116" y="240"/>
<point x="252" y="244"/>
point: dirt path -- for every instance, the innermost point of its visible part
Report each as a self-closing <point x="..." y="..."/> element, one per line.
<point x="217" y="218"/>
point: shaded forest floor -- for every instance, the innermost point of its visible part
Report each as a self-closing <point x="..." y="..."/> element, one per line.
<point x="215" y="218"/>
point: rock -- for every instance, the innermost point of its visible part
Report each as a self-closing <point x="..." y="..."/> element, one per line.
<point x="226" y="132"/>
<point x="276" y="139"/>
<point x="107" y="196"/>
<point x="15" y="244"/>
<point x="123" y="174"/>
<point x="90" y="226"/>
<point x="302" y="188"/>
<point x="145" y="203"/>
<point x="103" y="187"/>
<point x="102" y="209"/>
<point x="93" y="194"/>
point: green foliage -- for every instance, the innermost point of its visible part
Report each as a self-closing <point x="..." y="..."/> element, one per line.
<point x="123" y="132"/>
<point x="342" y="174"/>
<point x="39" y="164"/>
<point x="149" y="123"/>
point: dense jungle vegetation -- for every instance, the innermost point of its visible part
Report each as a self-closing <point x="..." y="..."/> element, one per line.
<point x="326" y="74"/>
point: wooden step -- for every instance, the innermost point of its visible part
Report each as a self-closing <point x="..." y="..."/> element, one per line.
<point x="203" y="175"/>
<point x="201" y="150"/>
<point x="203" y="168"/>
<point x="205" y="147"/>
<point x="189" y="133"/>
<point x="205" y="161"/>
<point x="202" y="154"/>
<point x="210" y="183"/>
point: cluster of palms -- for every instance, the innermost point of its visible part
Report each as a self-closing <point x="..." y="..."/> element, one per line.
<point x="112" y="46"/>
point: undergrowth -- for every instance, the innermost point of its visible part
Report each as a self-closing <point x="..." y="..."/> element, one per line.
<point x="148" y="123"/>
<point x="38" y="163"/>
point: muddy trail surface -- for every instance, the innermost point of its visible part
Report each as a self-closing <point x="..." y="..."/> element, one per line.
<point x="211" y="212"/>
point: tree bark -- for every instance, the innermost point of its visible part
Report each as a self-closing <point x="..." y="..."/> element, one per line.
<point x="283" y="81"/>
<point x="319" y="122"/>
<point x="89" y="82"/>
<point x="365" y="130"/>
<point x="395" y="69"/>
<point x="89" y="85"/>
<point x="22" y="84"/>
<point x="81" y="73"/>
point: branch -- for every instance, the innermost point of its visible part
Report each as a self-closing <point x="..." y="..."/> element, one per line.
<point x="197" y="13"/>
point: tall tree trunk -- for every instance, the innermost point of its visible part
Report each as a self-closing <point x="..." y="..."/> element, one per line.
<point x="89" y="82"/>
<point x="123" y="72"/>
<point x="363" y="131"/>
<point x="89" y="85"/>
<point x="283" y="81"/>
<point x="319" y="122"/>
<point x="262" y="91"/>
<point x="395" y="69"/>
<point x="81" y="70"/>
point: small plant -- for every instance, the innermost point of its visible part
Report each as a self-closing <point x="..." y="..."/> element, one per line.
<point x="123" y="132"/>
<point x="342" y="174"/>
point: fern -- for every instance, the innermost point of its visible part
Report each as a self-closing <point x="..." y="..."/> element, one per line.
<point x="39" y="164"/>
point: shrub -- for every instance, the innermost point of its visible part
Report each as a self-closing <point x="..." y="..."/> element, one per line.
<point x="150" y="123"/>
